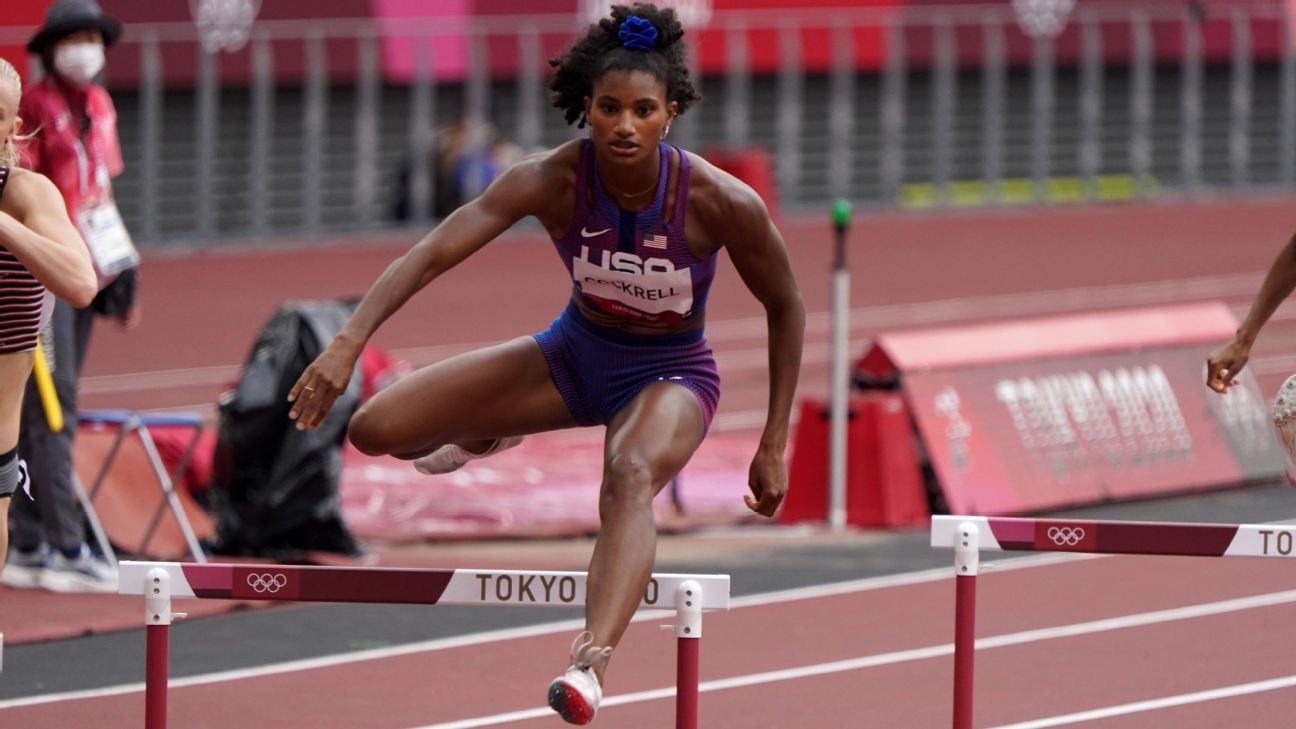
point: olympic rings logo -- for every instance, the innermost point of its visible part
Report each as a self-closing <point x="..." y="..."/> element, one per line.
<point x="267" y="582"/>
<point x="1066" y="536"/>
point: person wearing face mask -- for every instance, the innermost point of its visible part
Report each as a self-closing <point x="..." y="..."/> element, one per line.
<point x="73" y="127"/>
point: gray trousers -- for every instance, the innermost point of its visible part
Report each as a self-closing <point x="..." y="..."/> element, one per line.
<point x="55" y="517"/>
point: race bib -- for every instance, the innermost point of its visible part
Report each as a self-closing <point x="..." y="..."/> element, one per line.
<point x="106" y="237"/>
<point x="655" y="292"/>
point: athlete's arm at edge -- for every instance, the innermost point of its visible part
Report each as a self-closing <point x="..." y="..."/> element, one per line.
<point x="1223" y="365"/>
<point x="761" y="259"/>
<point x="45" y="241"/>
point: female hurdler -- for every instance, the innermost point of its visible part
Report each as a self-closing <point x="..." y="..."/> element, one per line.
<point x="638" y="224"/>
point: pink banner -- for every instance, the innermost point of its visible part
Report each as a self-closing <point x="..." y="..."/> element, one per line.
<point x="1080" y="410"/>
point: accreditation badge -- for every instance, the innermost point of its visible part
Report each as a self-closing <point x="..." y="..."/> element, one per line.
<point x="106" y="236"/>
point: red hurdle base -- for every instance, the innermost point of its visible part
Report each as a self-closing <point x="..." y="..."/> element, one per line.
<point x="686" y="682"/>
<point x="966" y="564"/>
<point x="155" y="676"/>
<point x="964" y="649"/>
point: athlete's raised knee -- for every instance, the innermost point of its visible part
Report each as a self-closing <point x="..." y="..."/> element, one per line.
<point x="370" y="434"/>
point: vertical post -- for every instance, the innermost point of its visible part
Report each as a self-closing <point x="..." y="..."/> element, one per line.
<point x="262" y="132"/>
<point x="944" y="95"/>
<point x="738" y="110"/>
<point x="314" y="110"/>
<point x="994" y="83"/>
<point x="367" y="99"/>
<point x="891" y="158"/>
<point x="157" y="616"/>
<point x="1287" y="105"/>
<point x="688" y="128"/>
<point x="841" y="116"/>
<point x="790" y="84"/>
<point x="206" y="111"/>
<point x="967" y="561"/>
<point x="1141" y="90"/>
<point x="1091" y="104"/>
<point x="529" y="85"/>
<point x="1190" y="103"/>
<point x="1043" y="71"/>
<point x="422" y="132"/>
<point x="688" y="632"/>
<point x="840" y="377"/>
<point x="1241" y="79"/>
<point x="476" y="113"/>
<point x="150" y="109"/>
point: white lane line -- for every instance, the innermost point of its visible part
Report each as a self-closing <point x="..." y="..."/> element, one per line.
<point x="1167" y="702"/>
<point x="767" y="598"/>
<point x="915" y="654"/>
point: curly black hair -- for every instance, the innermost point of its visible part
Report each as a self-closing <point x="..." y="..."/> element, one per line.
<point x="601" y="51"/>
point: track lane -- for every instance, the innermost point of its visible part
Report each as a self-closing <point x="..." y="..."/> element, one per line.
<point x="1030" y="663"/>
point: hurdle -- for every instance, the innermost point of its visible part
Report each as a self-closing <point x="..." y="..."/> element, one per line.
<point x="968" y="536"/>
<point x="159" y="582"/>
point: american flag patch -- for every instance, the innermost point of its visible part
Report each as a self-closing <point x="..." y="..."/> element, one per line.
<point x="656" y="240"/>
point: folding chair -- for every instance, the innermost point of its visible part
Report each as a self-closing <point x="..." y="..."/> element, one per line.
<point x="116" y="454"/>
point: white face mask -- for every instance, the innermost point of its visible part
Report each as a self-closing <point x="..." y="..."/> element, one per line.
<point x="79" y="62"/>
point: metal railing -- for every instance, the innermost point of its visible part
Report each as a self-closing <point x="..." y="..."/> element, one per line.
<point x="317" y="126"/>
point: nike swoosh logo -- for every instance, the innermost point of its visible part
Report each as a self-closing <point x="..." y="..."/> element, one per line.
<point x="586" y="234"/>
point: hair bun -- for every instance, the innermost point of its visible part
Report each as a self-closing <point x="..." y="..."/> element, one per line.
<point x="638" y="34"/>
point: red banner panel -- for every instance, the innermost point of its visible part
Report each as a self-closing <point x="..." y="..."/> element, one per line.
<point x="884" y="485"/>
<point x="1061" y="411"/>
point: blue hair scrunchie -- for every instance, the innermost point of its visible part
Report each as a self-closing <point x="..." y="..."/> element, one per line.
<point x="638" y="34"/>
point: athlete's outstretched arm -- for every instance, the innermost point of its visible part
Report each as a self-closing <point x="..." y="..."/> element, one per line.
<point x="517" y="193"/>
<point x="1226" y="362"/>
<point x="761" y="259"/>
<point x="44" y="240"/>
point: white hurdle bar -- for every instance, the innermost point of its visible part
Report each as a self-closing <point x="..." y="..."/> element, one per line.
<point x="968" y="536"/>
<point x="159" y="582"/>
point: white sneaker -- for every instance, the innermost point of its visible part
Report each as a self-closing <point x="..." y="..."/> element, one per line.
<point x="86" y="572"/>
<point x="452" y="457"/>
<point x="23" y="568"/>
<point x="576" y="694"/>
<point x="1283" y="413"/>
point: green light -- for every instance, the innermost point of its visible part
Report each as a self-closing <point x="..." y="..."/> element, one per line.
<point x="841" y="212"/>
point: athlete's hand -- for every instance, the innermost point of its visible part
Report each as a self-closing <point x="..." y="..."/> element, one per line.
<point x="1223" y="365"/>
<point x="767" y="480"/>
<point x="320" y="384"/>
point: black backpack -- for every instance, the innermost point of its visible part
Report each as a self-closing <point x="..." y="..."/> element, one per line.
<point x="274" y="487"/>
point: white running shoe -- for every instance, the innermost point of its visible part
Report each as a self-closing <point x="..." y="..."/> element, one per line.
<point x="86" y="572"/>
<point x="452" y="457"/>
<point x="576" y="694"/>
<point x="1284" y="420"/>
<point x="24" y="568"/>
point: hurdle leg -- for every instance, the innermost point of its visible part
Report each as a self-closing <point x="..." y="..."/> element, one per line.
<point x="157" y="617"/>
<point x="688" y="634"/>
<point x="967" y="561"/>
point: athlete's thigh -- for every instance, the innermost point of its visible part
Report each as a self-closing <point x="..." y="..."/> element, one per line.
<point x="662" y="426"/>
<point x="14" y="371"/>
<point x="487" y="393"/>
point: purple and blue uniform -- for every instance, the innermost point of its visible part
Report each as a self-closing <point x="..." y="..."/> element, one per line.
<point x="635" y="266"/>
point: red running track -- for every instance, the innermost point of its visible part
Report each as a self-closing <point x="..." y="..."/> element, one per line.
<point x="1057" y="636"/>
<point x="203" y="312"/>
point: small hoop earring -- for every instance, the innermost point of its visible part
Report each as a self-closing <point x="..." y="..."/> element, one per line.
<point x="665" y="131"/>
